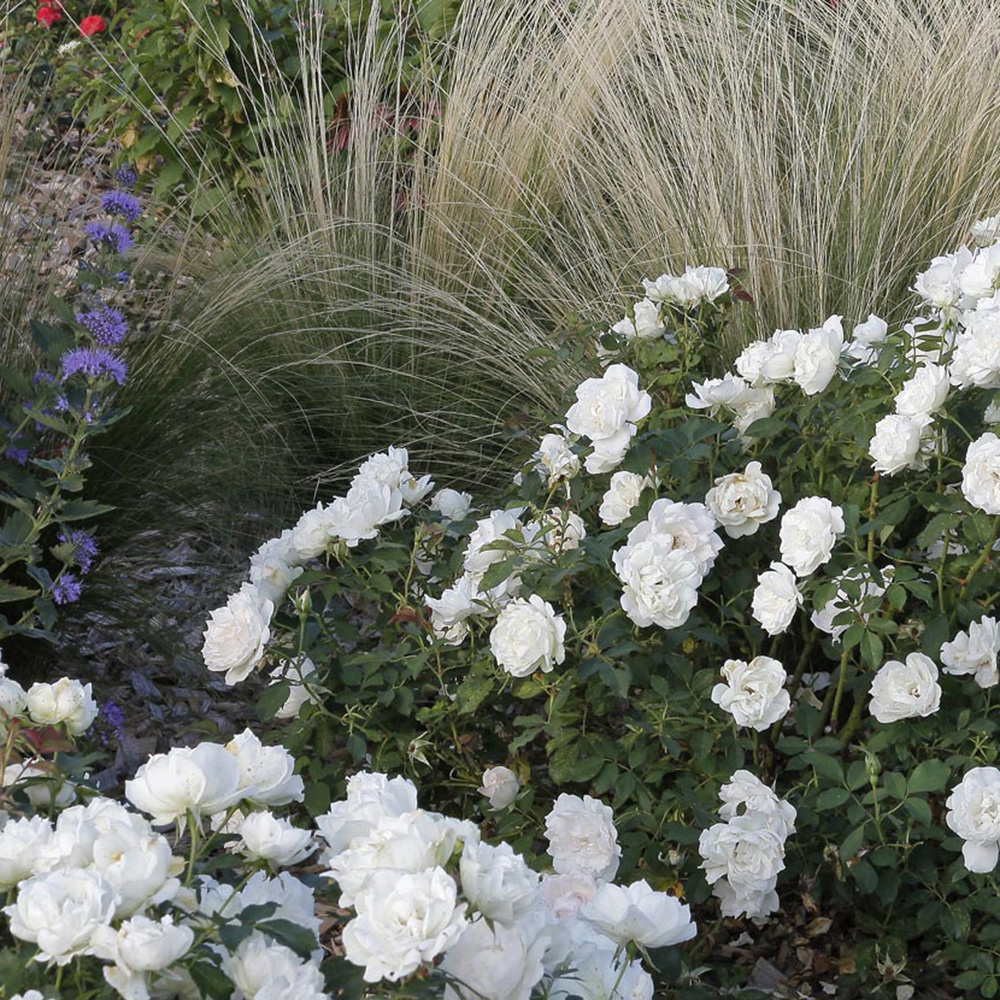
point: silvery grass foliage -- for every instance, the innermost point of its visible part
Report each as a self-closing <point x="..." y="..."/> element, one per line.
<point x="204" y="883"/>
<point x="702" y="584"/>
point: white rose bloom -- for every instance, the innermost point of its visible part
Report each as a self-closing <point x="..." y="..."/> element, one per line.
<point x="622" y="495"/>
<point x="979" y="278"/>
<point x="298" y="695"/>
<point x="596" y="970"/>
<point x="311" y="534"/>
<point x="13" y="700"/>
<point x="697" y="285"/>
<point x="638" y="913"/>
<point x="905" y="690"/>
<point x="500" y="786"/>
<point x="404" y="922"/>
<point x="776" y="598"/>
<point x="757" y="404"/>
<point x="497" y="882"/>
<point x="985" y="231"/>
<point x="824" y="618"/>
<point x="60" y="911"/>
<point x="991" y="415"/>
<point x="488" y="530"/>
<point x="21" y="841"/>
<point x="452" y="504"/>
<point x="528" y="636"/>
<point x="660" y="582"/>
<point x="746" y="792"/>
<point x="567" y="893"/>
<point x="138" y="947"/>
<point x="295" y="900"/>
<point x="623" y="328"/>
<point x="749" y="364"/>
<point x="266" y="774"/>
<point x="865" y="338"/>
<point x="779" y="365"/>
<point x="896" y="443"/>
<point x="67" y="702"/>
<point x="647" y="320"/>
<point x="690" y="526"/>
<point x="607" y="411"/>
<point x="388" y="468"/>
<point x="236" y="634"/>
<point x="939" y="284"/>
<point x="261" y="969"/>
<point x="981" y="474"/>
<point x="557" y="529"/>
<point x="924" y="393"/>
<point x="973" y="652"/>
<point x="371" y="797"/>
<point x="136" y="862"/>
<point x="808" y="533"/>
<point x="266" y="837"/>
<point x="34" y="994"/>
<point x="500" y="962"/>
<point x="746" y="853"/>
<point x="359" y="514"/>
<point x="754" y="692"/>
<point x="742" y="501"/>
<point x="453" y="607"/>
<point x="714" y="393"/>
<point x="72" y="842"/>
<point x="203" y="780"/>
<point x="974" y="814"/>
<point x="273" y="567"/>
<point x="817" y="355"/>
<point x="555" y="458"/>
<point x="44" y="785"/>
<point x="582" y="837"/>
<point x="658" y="290"/>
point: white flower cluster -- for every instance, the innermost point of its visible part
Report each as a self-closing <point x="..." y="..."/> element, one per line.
<point x="974" y="814"/>
<point x="66" y="703"/>
<point x="743" y="856"/>
<point x="489" y="921"/>
<point x="754" y="693"/>
<point x="664" y="561"/>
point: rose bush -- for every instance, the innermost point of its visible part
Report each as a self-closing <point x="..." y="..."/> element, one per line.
<point x="702" y="584"/>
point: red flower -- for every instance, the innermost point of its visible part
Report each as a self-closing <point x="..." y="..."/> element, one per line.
<point x="93" y="24"/>
<point x="48" y="14"/>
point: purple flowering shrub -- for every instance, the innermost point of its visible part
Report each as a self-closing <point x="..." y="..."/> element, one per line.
<point x="47" y="419"/>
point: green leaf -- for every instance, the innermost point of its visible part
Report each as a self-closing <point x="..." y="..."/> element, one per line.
<point x="472" y="692"/>
<point x="920" y="810"/>
<point x="872" y="649"/>
<point x="895" y="784"/>
<point x="300" y="939"/>
<point x="929" y="776"/>
<point x="271" y="699"/>
<point x="829" y="767"/>
<point x="852" y="842"/>
<point x="831" y="798"/>
<point x="79" y="510"/>
<point x="13" y="592"/>
<point x="211" y="980"/>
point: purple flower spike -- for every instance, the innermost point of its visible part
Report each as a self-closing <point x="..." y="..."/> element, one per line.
<point x="107" y="325"/>
<point x="86" y="548"/>
<point x="94" y="362"/>
<point x="113" y="236"/>
<point x="126" y="178"/>
<point x="66" y="589"/>
<point x="122" y="203"/>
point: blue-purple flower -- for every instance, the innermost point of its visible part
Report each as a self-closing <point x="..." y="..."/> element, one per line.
<point x="107" y="325"/>
<point x="112" y="235"/>
<point x="94" y="362"/>
<point x="67" y="589"/>
<point x="86" y="547"/>
<point x="122" y="203"/>
<point x="126" y="178"/>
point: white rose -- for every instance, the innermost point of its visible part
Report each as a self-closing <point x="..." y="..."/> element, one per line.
<point x="299" y="694"/>
<point x="979" y="278"/>
<point x="367" y="505"/>
<point x="905" y="690"/>
<point x="136" y="862"/>
<point x="924" y="393"/>
<point x="582" y="837"/>
<point x="745" y="852"/>
<point x="638" y="913"/>
<point x="567" y="893"/>
<point x="598" y="970"/>
<point x="45" y="785"/>
<point x="13" y="700"/>
<point x="939" y="284"/>
<point x="311" y="534"/>
<point x="60" y="911"/>
<point x="607" y="411"/>
<point x="647" y="320"/>
<point x="387" y="468"/>
<point x="981" y="474"/>
<point x="403" y="922"/>
<point x="559" y="530"/>
<point x="203" y="780"/>
<point x="622" y="495"/>
<point x="808" y="533"/>
<point x="698" y="284"/>
<point x="730" y="391"/>
<point x="825" y="617"/>
<point x="776" y="598"/>
<point x="21" y="841"/>
<point x="273" y="567"/>
<point x="623" y="328"/>
<point x="261" y="969"/>
<point x="985" y="231"/>
<point x="500" y="786"/>
<point x="991" y="415"/>
<point x="237" y="634"/>
<point x="973" y="652"/>
<point x="779" y="365"/>
<point x="452" y="504"/>
<point x="265" y="837"/>
<point x="690" y="526"/>
<point x="500" y="962"/>
<point x="754" y="692"/>
<point x="497" y="882"/>
<point x="872" y="331"/>
<point x="528" y="636"/>
<point x="370" y="798"/>
<point x="974" y="814"/>
<point x="746" y="792"/>
<point x="750" y="362"/>
<point x="489" y="530"/>
<point x="757" y="404"/>
<point x="555" y="458"/>
<point x="896" y="443"/>
<point x="138" y="947"/>
<point x="266" y="774"/>
<point x="453" y="607"/>
<point x="67" y="702"/>
<point x="742" y="501"/>
<point x="659" y="582"/>
<point x="817" y="355"/>
<point x="295" y="900"/>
